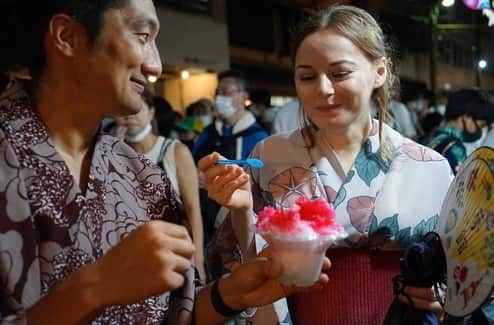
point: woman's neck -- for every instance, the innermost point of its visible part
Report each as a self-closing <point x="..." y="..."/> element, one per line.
<point x="347" y="143"/>
<point x="350" y="138"/>
<point x="145" y="145"/>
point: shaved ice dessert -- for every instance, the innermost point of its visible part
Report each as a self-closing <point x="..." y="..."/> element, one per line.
<point x="299" y="237"/>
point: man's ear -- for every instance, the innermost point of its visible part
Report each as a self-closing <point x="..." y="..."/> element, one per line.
<point x="245" y="95"/>
<point x="381" y="72"/>
<point x="62" y="34"/>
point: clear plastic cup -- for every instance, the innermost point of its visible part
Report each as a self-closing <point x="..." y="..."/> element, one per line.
<point x="301" y="259"/>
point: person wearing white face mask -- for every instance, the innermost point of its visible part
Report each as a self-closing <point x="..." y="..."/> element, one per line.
<point x="172" y="156"/>
<point x="234" y="133"/>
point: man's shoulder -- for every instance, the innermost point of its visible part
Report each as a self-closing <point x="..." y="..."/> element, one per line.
<point x="258" y="128"/>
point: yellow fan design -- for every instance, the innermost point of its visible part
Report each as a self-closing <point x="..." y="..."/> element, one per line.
<point x="466" y="228"/>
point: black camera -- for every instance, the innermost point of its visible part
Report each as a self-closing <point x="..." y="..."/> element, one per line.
<point x="423" y="264"/>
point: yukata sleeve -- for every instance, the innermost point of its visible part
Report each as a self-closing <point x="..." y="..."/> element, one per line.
<point x="19" y="266"/>
<point x="181" y="302"/>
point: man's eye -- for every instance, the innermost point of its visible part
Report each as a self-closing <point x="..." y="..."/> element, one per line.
<point x="143" y="36"/>
<point x="306" y="78"/>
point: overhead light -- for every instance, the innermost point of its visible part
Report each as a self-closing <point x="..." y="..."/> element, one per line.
<point x="447" y="3"/>
<point x="185" y="74"/>
<point x="482" y="64"/>
<point x="152" y="78"/>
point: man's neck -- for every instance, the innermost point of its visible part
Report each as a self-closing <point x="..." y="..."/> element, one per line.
<point x="70" y="123"/>
<point x="235" y="118"/>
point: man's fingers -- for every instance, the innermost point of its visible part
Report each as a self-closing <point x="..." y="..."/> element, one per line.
<point x="170" y="229"/>
<point x="266" y="252"/>
<point x="182" y="248"/>
<point x="173" y="280"/>
<point x="180" y="264"/>
<point x="326" y="264"/>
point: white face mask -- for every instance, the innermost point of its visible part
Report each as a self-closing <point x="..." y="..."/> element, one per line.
<point x="136" y="138"/>
<point x="205" y="119"/>
<point x="224" y="107"/>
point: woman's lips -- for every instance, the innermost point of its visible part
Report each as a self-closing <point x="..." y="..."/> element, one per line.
<point x="328" y="108"/>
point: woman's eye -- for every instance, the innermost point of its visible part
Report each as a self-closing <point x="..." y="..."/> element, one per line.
<point x="306" y="78"/>
<point x="341" y="75"/>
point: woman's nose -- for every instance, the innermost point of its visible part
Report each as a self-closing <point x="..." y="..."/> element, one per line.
<point x="326" y="85"/>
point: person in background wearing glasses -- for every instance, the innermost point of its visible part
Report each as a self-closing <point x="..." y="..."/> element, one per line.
<point x="235" y="132"/>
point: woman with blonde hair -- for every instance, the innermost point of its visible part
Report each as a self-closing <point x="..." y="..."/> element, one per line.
<point x="370" y="173"/>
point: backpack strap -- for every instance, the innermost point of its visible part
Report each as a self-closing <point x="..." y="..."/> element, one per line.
<point x="164" y="147"/>
<point x="444" y="145"/>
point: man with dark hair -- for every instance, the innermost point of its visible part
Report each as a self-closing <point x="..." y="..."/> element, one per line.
<point x="89" y="229"/>
<point x="463" y="122"/>
<point x="235" y="132"/>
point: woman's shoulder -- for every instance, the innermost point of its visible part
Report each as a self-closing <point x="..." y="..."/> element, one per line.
<point x="292" y="138"/>
<point x="181" y="150"/>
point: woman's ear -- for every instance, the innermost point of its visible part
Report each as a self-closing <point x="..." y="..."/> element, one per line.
<point x="381" y="72"/>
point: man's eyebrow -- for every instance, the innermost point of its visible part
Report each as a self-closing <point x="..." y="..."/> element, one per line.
<point x="143" y="20"/>
<point x="303" y="66"/>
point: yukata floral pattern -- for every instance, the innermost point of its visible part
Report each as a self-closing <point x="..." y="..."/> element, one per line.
<point x="391" y="195"/>
<point x="49" y="229"/>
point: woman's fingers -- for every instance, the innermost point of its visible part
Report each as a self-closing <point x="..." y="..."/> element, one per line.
<point x="421" y="293"/>
<point x="208" y="161"/>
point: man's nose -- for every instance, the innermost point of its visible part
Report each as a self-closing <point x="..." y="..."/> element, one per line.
<point x="152" y="64"/>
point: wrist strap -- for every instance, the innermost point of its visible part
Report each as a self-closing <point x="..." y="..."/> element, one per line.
<point x="219" y="305"/>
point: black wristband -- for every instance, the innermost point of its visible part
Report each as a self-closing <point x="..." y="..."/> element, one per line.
<point x="219" y="305"/>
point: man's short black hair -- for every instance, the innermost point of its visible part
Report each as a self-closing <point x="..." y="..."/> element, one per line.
<point x="465" y="101"/>
<point x="239" y="76"/>
<point x="24" y="23"/>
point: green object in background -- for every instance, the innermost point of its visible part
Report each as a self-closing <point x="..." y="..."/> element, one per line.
<point x="191" y="123"/>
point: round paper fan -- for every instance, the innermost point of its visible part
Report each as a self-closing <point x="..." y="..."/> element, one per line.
<point x="466" y="228"/>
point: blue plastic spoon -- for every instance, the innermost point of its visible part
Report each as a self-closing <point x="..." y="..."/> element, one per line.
<point x="252" y="162"/>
